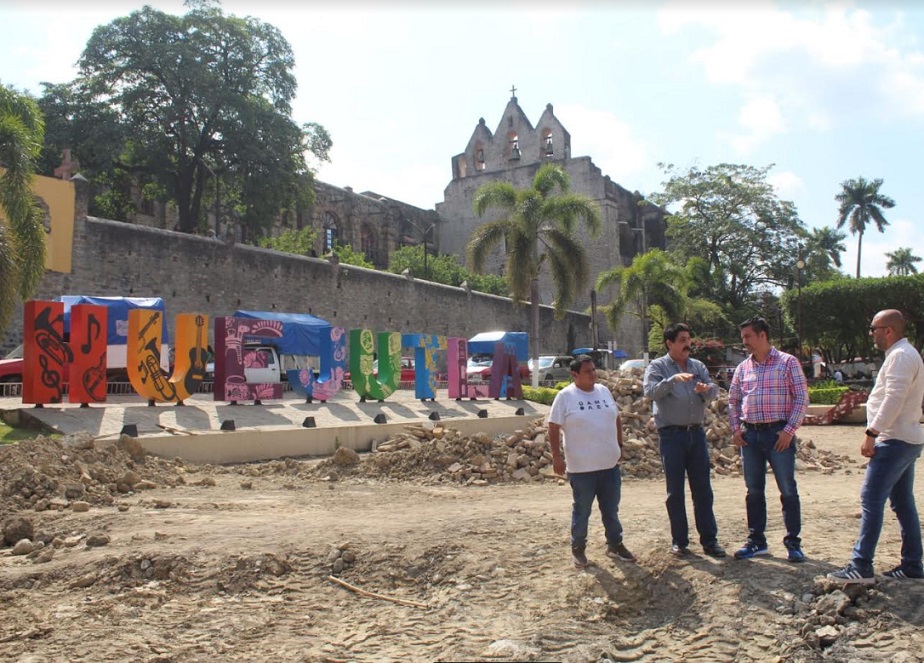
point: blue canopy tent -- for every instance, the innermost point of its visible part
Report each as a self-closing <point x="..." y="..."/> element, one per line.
<point x="617" y="354"/>
<point x="117" y="317"/>
<point x="484" y="343"/>
<point x="301" y="332"/>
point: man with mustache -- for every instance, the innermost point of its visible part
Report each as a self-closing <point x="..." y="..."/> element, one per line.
<point x="679" y="388"/>
<point x="893" y="444"/>
<point x="767" y="400"/>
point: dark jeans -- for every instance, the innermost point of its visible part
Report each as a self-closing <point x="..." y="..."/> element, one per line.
<point x="755" y="456"/>
<point x="606" y="486"/>
<point x="890" y="473"/>
<point x="685" y="454"/>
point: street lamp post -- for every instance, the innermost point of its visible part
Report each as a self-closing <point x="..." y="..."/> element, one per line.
<point x="800" y="265"/>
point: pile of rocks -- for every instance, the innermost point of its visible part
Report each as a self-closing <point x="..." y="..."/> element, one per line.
<point x="437" y="454"/>
<point x="74" y="470"/>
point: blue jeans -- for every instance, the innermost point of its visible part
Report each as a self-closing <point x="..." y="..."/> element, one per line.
<point x="890" y="473"/>
<point x="606" y="486"/>
<point x="755" y="456"/>
<point x="684" y="454"/>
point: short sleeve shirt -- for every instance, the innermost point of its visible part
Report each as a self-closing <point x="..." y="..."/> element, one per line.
<point x="588" y="422"/>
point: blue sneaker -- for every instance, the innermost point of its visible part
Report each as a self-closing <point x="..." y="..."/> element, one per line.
<point x="796" y="555"/>
<point x="749" y="550"/>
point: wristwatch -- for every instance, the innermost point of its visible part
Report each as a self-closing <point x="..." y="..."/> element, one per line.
<point x="870" y="433"/>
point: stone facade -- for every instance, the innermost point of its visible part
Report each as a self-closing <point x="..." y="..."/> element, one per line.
<point x="514" y="153"/>
<point x="195" y="274"/>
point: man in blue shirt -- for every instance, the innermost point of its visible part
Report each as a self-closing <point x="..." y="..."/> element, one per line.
<point x="679" y="388"/>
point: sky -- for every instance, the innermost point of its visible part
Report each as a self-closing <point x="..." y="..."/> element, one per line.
<point x="822" y="91"/>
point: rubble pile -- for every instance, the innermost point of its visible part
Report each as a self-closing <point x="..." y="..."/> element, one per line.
<point x="45" y="473"/>
<point x="434" y="453"/>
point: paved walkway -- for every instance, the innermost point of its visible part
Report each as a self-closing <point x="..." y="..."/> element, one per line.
<point x="201" y="413"/>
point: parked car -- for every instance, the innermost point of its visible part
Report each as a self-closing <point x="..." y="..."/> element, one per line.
<point x="478" y="369"/>
<point x="407" y="370"/>
<point x="552" y="367"/>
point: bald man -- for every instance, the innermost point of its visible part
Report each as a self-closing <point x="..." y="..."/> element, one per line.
<point x="893" y="443"/>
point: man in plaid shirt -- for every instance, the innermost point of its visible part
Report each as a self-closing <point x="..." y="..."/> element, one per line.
<point x="767" y="400"/>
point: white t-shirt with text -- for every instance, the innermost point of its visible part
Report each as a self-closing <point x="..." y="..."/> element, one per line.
<point x="588" y="422"/>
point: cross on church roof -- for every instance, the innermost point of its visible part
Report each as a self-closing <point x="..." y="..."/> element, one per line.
<point x="67" y="168"/>
<point x="513" y="92"/>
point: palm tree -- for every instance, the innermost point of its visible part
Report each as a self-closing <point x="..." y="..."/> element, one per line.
<point x="861" y="203"/>
<point x="537" y="230"/>
<point x="901" y="262"/>
<point x="828" y="242"/>
<point x="661" y="285"/>
<point x="22" y="236"/>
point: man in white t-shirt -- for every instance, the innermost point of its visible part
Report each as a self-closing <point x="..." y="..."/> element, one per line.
<point x="586" y="414"/>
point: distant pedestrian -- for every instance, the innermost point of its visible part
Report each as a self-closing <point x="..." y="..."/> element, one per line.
<point x="893" y="444"/>
<point x="586" y="415"/>
<point x="767" y="401"/>
<point x="679" y="388"/>
<point x="838" y="376"/>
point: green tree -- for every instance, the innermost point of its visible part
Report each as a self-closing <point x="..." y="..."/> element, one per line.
<point x="22" y="233"/>
<point x="443" y="268"/>
<point x="860" y="204"/>
<point x="902" y="262"/>
<point x="660" y="290"/>
<point x="731" y="217"/>
<point x="300" y="242"/>
<point x="537" y="229"/>
<point x="203" y="101"/>
<point x="347" y="256"/>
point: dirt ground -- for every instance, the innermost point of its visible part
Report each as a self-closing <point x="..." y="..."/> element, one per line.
<point x="235" y="563"/>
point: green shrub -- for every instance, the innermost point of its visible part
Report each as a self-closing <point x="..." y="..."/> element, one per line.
<point x="544" y="395"/>
<point x="826" y="395"/>
<point x="562" y="385"/>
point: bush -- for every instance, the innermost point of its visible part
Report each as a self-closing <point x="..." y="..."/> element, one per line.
<point x="826" y="395"/>
<point x="544" y="395"/>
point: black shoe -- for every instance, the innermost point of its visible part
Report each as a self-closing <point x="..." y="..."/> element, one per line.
<point x="679" y="551"/>
<point x="619" y="551"/>
<point x="714" y="550"/>
<point x="579" y="558"/>
<point x="900" y="573"/>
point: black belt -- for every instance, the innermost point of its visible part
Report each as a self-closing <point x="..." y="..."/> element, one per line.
<point x="763" y="426"/>
<point x="672" y="429"/>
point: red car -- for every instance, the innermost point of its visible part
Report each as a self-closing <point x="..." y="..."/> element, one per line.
<point x="407" y="370"/>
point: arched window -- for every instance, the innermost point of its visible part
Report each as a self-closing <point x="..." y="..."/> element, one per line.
<point x="331" y="232"/>
<point x="479" y="156"/>
<point x="367" y="243"/>
<point x="546" y="148"/>
<point x="513" y="146"/>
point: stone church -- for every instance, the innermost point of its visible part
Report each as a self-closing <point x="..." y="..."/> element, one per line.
<point x="377" y="225"/>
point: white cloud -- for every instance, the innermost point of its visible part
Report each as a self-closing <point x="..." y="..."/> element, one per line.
<point x="809" y="61"/>
<point x="787" y="184"/>
<point x="607" y="139"/>
<point x="761" y="118"/>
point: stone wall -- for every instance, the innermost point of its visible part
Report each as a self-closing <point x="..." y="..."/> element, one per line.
<point x="195" y="274"/>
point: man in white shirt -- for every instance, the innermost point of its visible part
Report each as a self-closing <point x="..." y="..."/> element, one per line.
<point x="893" y="443"/>
<point x="586" y="414"/>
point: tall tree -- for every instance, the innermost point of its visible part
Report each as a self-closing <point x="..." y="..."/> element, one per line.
<point x="537" y="229"/>
<point x="861" y="203"/>
<point x="731" y="217"/>
<point x="205" y="99"/>
<point x="902" y="262"/>
<point x="22" y="233"/>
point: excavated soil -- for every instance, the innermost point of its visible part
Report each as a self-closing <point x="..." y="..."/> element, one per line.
<point x="451" y="547"/>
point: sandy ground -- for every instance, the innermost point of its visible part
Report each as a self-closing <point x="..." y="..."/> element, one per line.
<point x="240" y="571"/>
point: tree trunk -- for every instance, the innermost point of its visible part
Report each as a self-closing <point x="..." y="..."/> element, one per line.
<point x="534" y="314"/>
<point x="859" y="251"/>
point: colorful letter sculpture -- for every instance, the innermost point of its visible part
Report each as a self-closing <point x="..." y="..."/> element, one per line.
<point x="88" y="346"/>
<point x="232" y="353"/>
<point x="333" y="367"/>
<point x="45" y="354"/>
<point x="191" y="354"/>
<point x="456" y="363"/>
<point x="425" y="373"/>
<point x="365" y="382"/>
<point x="505" y="374"/>
<point x="148" y="378"/>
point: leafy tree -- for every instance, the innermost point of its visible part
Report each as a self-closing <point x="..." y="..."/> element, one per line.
<point x="22" y="233"/>
<point x="537" y="229"/>
<point x="860" y="204"/>
<point x="660" y="288"/>
<point x="300" y="242"/>
<point x="197" y="100"/>
<point x="902" y="262"/>
<point x="444" y="268"/>
<point x="347" y="256"/>
<point x="730" y="217"/>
